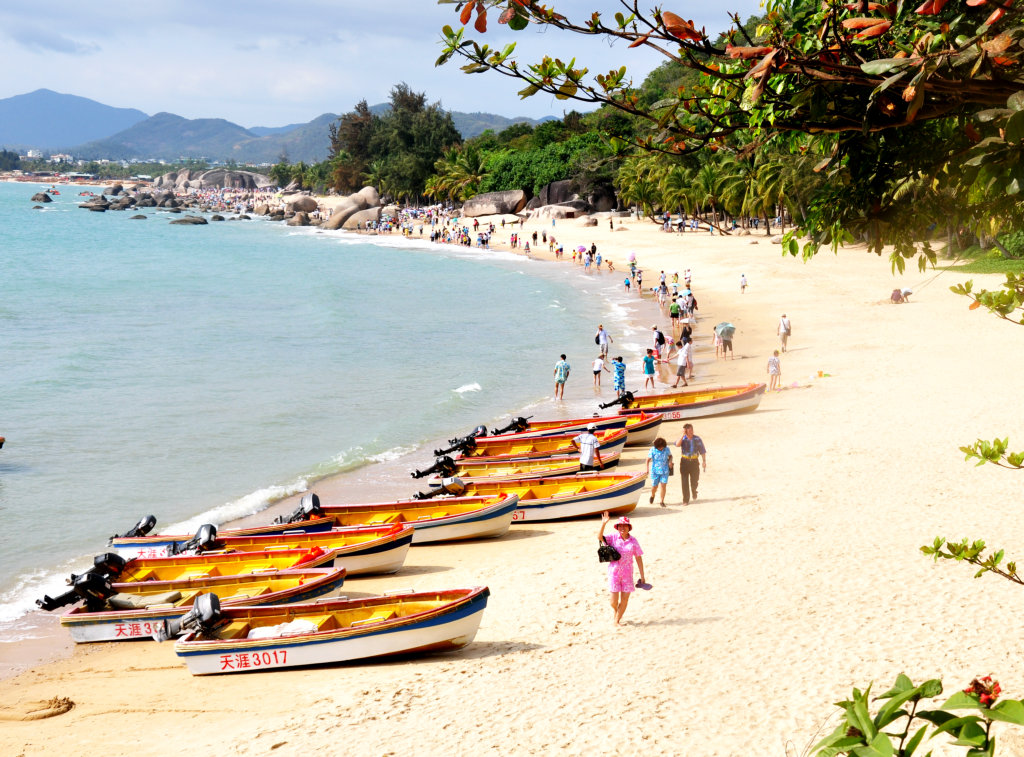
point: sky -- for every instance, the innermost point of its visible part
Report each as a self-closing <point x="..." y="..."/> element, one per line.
<point x="263" y="63"/>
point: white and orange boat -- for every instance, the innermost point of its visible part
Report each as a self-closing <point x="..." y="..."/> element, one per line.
<point x="514" y="447"/>
<point x="695" y="403"/>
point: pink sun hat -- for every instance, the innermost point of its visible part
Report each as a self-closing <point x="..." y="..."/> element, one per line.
<point x="624" y="521"/>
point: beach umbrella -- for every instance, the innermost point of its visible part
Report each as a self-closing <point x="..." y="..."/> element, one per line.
<point x="581" y="248"/>
<point x="725" y="330"/>
<point x="632" y="257"/>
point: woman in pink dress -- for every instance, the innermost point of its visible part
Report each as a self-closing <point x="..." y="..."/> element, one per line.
<point x="620" y="572"/>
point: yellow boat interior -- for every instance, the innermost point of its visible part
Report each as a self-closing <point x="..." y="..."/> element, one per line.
<point x="688" y="398"/>
<point x="217" y="564"/>
<point x="536" y="444"/>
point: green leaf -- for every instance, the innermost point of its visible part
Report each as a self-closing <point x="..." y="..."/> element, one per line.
<point x="1015" y="127"/>
<point x="971" y="734"/>
<point x="1008" y="711"/>
<point x="953" y="724"/>
<point x="961" y="701"/>
<point x="518" y="22"/>
<point x="884" y="65"/>
<point x="1016" y="101"/>
<point x="908" y="750"/>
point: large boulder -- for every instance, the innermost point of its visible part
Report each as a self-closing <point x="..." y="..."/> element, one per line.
<point x="557" y="192"/>
<point x="495" y="203"/>
<point x="361" y="218"/>
<point x="299" y="219"/>
<point x="343" y="211"/>
<point x="303" y="203"/>
<point x="98" y="204"/>
<point x="223" y="178"/>
<point x="183" y="178"/>
<point x="390" y="210"/>
<point x="369" y="196"/>
<point x="41" y="197"/>
<point x="190" y="221"/>
<point x="293" y="186"/>
<point x="113" y="190"/>
<point x="603" y="200"/>
<point x="588" y="221"/>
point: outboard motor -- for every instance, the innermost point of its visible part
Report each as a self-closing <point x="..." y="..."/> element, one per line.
<point x="452" y="485"/>
<point x="141" y="528"/>
<point x="465" y="444"/>
<point x="204" y="617"/>
<point x="624" y="400"/>
<point x="309" y="507"/>
<point x="204" y="540"/>
<point x="444" y="466"/>
<point x="93" y="586"/>
<point x="515" y="426"/>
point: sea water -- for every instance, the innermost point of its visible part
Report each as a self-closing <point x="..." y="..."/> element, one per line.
<point x="201" y="372"/>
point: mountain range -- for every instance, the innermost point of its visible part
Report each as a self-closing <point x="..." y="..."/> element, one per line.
<point x="54" y="122"/>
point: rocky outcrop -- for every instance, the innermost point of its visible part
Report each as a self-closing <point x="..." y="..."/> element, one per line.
<point x="556" y="192"/>
<point x="261" y="210"/>
<point x="190" y="221"/>
<point x="138" y="217"/>
<point x="370" y="196"/>
<point x="216" y="217"/>
<point x="299" y="219"/>
<point x="495" y="203"/>
<point x="303" y="203"/>
<point x="214" y="178"/>
<point x="113" y="190"/>
<point x="360" y="219"/>
<point x="41" y="197"/>
<point x="588" y="221"/>
<point x="97" y="204"/>
<point x="366" y="198"/>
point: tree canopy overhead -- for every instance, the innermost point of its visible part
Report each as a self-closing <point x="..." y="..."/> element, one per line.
<point x="916" y="111"/>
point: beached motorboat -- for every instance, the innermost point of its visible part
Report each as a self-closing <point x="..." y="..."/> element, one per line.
<point x="557" y="497"/>
<point x="453" y="519"/>
<point x="511" y="447"/>
<point x="539" y="467"/>
<point x="695" y="403"/>
<point x="359" y="550"/>
<point x="163" y="545"/>
<point x="224" y="563"/>
<point x="523" y="427"/>
<point x="137" y="610"/>
<point x="642" y="428"/>
<point x="2" y="440"/>
<point x="244" y="639"/>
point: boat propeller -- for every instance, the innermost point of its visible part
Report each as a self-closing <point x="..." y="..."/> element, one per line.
<point x="514" y="426"/>
<point x="452" y="485"/>
<point x="444" y="466"/>
<point x="204" y="617"/>
<point x="309" y="507"/>
<point x="624" y="400"/>
<point x="93" y="587"/>
<point x="464" y="444"/>
<point x="141" y="528"/>
<point x="204" y="540"/>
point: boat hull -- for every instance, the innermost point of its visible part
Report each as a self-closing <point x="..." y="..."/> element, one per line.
<point x="612" y="447"/>
<point x="645" y="431"/>
<point x="740" y="402"/>
<point x="567" y="497"/>
<point x="117" y="625"/>
<point x="570" y="426"/>
<point x="487" y="521"/>
<point x="159" y="545"/>
<point x="449" y="628"/>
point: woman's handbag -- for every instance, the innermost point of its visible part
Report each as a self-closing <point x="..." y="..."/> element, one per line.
<point x="671" y="468"/>
<point x="607" y="553"/>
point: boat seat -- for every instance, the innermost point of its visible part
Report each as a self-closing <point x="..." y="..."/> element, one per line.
<point x="144" y="575"/>
<point x="522" y="493"/>
<point x="138" y="601"/>
<point x="323" y="622"/>
<point x="195" y="574"/>
<point x="378" y="617"/>
<point x="439" y="515"/>
<point x="237" y="629"/>
<point x="248" y="593"/>
<point x="518" y="449"/>
<point x="565" y="491"/>
<point x="380" y="520"/>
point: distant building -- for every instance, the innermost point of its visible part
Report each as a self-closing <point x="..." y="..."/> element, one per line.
<point x="61" y="158"/>
<point x="32" y="154"/>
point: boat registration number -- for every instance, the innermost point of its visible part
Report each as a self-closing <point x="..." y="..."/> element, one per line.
<point x="133" y="630"/>
<point x="519" y="515"/>
<point x="243" y="660"/>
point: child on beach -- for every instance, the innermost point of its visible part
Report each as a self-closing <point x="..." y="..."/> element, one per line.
<point x="774" y="373"/>
<point x="649" y="369"/>
<point x="625" y="283"/>
<point x="598" y="366"/>
<point x="743" y="283"/>
<point x="659" y="468"/>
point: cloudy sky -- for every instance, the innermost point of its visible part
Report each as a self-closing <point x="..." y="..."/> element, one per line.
<point x="262" y="63"/>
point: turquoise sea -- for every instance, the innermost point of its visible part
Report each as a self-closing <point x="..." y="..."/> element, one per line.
<point x="201" y="372"/>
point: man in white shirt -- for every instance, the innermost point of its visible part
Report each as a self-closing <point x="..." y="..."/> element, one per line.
<point x="784" y="330"/>
<point x="683" y="360"/>
<point x="603" y="340"/>
<point x="589" y="447"/>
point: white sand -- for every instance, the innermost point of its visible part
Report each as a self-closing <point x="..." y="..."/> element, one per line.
<point x="795" y="576"/>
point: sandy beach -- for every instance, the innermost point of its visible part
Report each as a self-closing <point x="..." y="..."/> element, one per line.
<point x="795" y="576"/>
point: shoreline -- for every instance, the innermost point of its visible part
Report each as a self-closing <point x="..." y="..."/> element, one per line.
<point x="793" y="577"/>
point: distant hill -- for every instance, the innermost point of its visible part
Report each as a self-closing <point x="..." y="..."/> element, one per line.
<point x="49" y="120"/>
<point x="90" y="130"/>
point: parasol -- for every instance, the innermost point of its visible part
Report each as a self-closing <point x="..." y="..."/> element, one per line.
<point x="725" y="330"/>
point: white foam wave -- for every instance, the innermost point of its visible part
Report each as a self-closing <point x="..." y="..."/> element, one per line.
<point x="474" y="387"/>
<point x="250" y="504"/>
<point x="391" y="454"/>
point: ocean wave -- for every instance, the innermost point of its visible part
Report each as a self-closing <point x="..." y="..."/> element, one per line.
<point x="474" y="387"/>
<point x="250" y="504"/>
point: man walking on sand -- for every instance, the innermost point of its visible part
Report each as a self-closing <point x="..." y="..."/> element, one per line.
<point x="562" y="369"/>
<point x="784" y="330"/>
<point x="690" y="447"/>
<point x="604" y="339"/>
